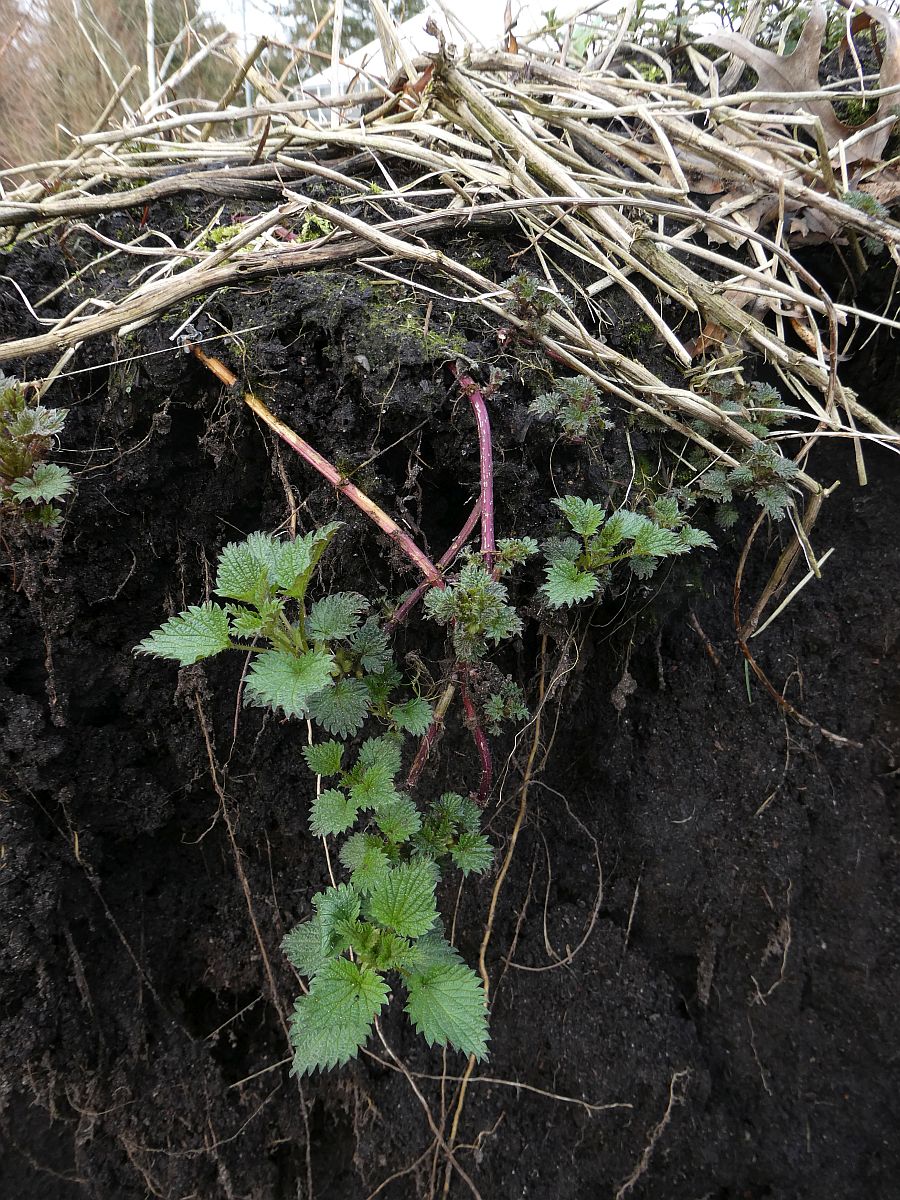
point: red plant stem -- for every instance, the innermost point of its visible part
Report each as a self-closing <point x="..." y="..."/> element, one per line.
<point x="431" y="735"/>
<point x="444" y="561"/>
<point x="484" y="750"/>
<point x="486" y="457"/>
<point x="321" y="464"/>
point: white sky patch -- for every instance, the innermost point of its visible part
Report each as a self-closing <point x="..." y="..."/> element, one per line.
<point x="240" y="15"/>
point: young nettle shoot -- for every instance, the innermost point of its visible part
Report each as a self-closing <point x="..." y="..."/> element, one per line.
<point x="329" y="662"/>
<point x="579" y="568"/>
<point x="30" y="487"/>
<point x="476" y="605"/>
<point x="576" y="405"/>
<point x="384" y="922"/>
<point x="763" y="474"/>
<point x="507" y="703"/>
<point x="321" y="660"/>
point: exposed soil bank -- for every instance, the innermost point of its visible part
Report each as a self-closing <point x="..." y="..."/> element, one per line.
<point x="719" y="1021"/>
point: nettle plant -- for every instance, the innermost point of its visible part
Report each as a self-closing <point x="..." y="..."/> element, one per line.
<point x="30" y="487"/>
<point x="763" y="473"/>
<point x="580" y="567"/>
<point x="576" y="405"/>
<point x="326" y="662"/>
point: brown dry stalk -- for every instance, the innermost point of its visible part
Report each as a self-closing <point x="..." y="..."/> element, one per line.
<point x="321" y="464"/>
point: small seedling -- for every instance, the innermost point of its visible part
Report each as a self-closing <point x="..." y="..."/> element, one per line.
<point x="579" y="568"/>
<point x="330" y="663"/>
<point x="575" y="404"/>
<point x="30" y="487"/>
<point x="763" y="474"/>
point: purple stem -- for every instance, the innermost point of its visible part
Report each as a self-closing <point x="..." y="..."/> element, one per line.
<point x="484" y="750"/>
<point x="444" y="561"/>
<point x="486" y="457"/>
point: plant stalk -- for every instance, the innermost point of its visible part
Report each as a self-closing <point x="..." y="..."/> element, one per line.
<point x="404" y="609"/>
<point x="486" y="461"/>
<point x="321" y="464"/>
<point x="484" y="750"/>
<point x="431" y="735"/>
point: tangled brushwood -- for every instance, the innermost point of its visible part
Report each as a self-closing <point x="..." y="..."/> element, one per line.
<point x="663" y="216"/>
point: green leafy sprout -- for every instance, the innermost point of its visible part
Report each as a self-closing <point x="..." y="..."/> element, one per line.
<point x="575" y="404"/>
<point x="579" y="568"/>
<point x="328" y="661"/>
<point x="30" y="487"/>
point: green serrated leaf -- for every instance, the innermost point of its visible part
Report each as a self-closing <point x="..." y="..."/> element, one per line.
<point x="459" y="810"/>
<point x="382" y="751"/>
<point x="513" y="551"/>
<point x="567" y="585"/>
<point x="666" y="512"/>
<point x="632" y="522"/>
<point x="643" y="568"/>
<point x="372" y="787"/>
<point x="281" y="680"/>
<point x="37" y="422"/>
<point x="447" y="1006"/>
<point x="414" y="716"/>
<point x="774" y="499"/>
<point x="48" y="481"/>
<point x="561" y="550"/>
<point x="381" y="686"/>
<point x="404" y="900"/>
<point x="584" y="516"/>
<point x="325" y="758"/>
<point x="398" y="820"/>
<point x="308" y="946"/>
<point x="198" y="633"/>
<point x="292" y="565"/>
<point x="439" y="604"/>
<point x="472" y="852"/>
<point x="332" y="812"/>
<point x="335" y="617"/>
<point x="431" y="949"/>
<point x="338" y="909"/>
<point x="241" y="575"/>
<point x="365" y="857"/>
<point x="341" y="709"/>
<point x="370" y="644"/>
<point x="332" y="1022"/>
<point x="390" y="951"/>
<point x="245" y="622"/>
<point x="696" y="538"/>
<point x="653" y="542"/>
<point x="266" y="549"/>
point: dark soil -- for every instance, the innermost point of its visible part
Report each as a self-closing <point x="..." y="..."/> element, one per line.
<point x="719" y="1021"/>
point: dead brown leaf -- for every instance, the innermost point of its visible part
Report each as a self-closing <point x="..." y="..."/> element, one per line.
<point x="799" y="72"/>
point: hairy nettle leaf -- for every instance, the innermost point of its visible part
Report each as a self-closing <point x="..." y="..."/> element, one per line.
<point x="414" y="716"/>
<point x="288" y="682"/>
<point x="584" y="516"/>
<point x="332" y="812"/>
<point x="342" y="708"/>
<point x="447" y="1006"/>
<point x="404" y="899"/>
<point x="335" y="617"/>
<point x="47" y="481"/>
<point x="567" y="585"/>
<point x="332" y="1022"/>
<point x="242" y="574"/>
<point x="325" y="758"/>
<point x="199" y="632"/>
<point x="309" y="946"/>
<point x="365" y="857"/>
